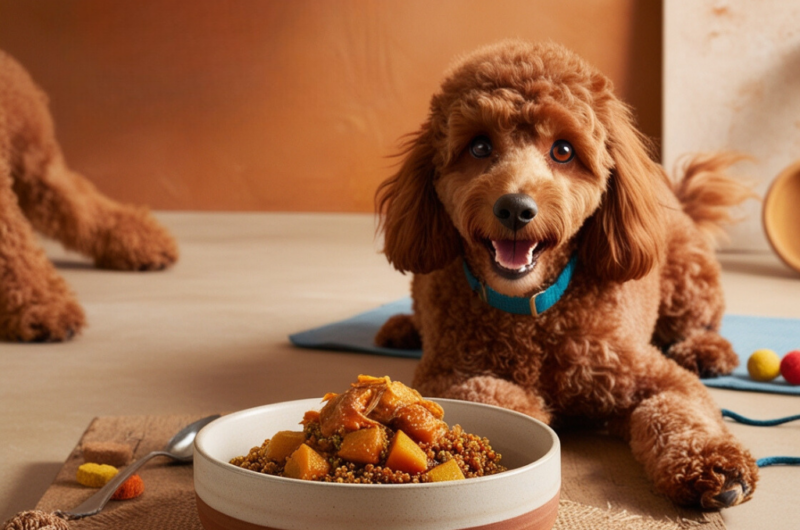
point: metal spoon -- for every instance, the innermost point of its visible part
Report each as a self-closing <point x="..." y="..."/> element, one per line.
<point x="180" y="448"/>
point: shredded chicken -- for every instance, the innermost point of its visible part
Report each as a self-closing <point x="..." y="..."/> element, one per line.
<point x="378" y="400"/>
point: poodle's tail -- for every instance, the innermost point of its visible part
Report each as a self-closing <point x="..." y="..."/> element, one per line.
<point x="707" y="193"/>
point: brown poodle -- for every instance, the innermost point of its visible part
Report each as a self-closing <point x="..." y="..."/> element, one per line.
<point x="35" y="183"/>
<point x="530" y="176"/>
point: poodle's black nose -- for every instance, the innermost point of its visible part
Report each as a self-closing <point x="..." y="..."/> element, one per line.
<point x="515" y="210"/>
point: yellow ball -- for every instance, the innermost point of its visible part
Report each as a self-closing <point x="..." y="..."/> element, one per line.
<point x="764" y="365"/>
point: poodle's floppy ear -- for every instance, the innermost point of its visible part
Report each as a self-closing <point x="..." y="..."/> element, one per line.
<point x="624" y="238"/>
<point x="419" y="236"/>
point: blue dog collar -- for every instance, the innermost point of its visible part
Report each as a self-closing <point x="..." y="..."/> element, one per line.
<point x="521" y="305"/>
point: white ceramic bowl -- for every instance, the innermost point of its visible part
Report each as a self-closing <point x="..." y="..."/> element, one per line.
<point x="525" y="496"/>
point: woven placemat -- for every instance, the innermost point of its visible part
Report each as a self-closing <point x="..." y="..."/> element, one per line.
<point x="603" y="487"/>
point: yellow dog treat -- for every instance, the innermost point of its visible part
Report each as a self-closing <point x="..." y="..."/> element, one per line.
<point x="95" y="475"/>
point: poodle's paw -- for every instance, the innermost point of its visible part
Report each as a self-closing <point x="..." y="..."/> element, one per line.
<point x="718" y="476"/>
<point x="399" y="332"/>
<point x="133" y="240"/>
<point x="501" y="393"/>
<point x="706" y="353"/>
<point x="56" y="319"/>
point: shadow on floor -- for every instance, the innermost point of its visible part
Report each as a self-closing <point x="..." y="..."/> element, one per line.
<point x="30" y="486"/>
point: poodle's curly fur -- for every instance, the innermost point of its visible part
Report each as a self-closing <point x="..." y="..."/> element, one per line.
<point x="639" y="321"/>
<point x="39" y="192"/>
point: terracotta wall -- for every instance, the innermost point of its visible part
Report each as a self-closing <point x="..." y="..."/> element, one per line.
<point x="283" y="105"/>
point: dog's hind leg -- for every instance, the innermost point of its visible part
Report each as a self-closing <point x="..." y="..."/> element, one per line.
<point x="35" y="302"/>
<point x="692" y="301"/>
<point x="692" y="305"/>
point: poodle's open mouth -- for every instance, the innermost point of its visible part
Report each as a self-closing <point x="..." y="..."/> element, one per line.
<point x="513" y="259"/>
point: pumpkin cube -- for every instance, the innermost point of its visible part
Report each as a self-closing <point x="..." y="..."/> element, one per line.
<point x="283" y="444"/>
<point x="419" y="423"/>
<point x="446" y="471"/>
<point x="363" y="446"/>
<point x="306" y="464"/>
<point x="405" y="455"/>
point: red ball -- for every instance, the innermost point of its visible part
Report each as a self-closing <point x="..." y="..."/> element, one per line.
<point x="790" y="367"/>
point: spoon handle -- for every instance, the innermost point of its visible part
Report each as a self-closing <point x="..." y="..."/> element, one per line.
<point x="96" y="502"/>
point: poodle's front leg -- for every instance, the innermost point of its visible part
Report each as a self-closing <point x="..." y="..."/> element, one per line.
<point x="399" y="332"/>
<point x="677" y="433"/>
<point x="35" y="302"/>
<point x="485" y="389"/>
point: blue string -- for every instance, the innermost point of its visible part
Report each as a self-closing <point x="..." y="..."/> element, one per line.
<point x="757" y="423"/>
<point x="778" y="460"/>
<point x="768" y="460"/>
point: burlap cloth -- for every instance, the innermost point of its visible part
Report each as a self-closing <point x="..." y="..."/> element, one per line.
<point x="603" y="487"/>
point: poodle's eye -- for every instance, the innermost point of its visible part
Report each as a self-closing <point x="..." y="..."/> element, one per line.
<point x="562" y="151"/>
<point x="480" y="147"/>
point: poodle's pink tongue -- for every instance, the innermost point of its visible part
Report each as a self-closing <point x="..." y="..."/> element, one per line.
<point x="513" y="255"/>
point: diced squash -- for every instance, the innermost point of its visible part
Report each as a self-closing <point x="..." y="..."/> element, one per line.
<point x="405" y="455"/>
<point x="446" y="471"/>
<point x="419" y="423"/>
<point x="306" y="464"/>
<point x="363" y="446"/>
<point x="283" y="444"/>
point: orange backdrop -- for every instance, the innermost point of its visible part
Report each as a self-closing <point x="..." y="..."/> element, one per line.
<point x="283" y="105"/>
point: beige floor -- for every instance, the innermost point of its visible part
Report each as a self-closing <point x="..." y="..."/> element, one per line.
<point x="211" y="335"/>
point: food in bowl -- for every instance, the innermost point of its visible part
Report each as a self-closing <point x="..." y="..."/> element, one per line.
<point x="523" y="496"/>
<point x="377" y="432"/>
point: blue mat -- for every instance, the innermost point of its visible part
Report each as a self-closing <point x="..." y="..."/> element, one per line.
<point x="746" y="333"/>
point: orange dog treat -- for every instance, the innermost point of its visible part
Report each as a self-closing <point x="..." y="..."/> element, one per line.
<point x="130" y="489"/>
<point x="109" y="453"/>
<point x="95" y="475"/>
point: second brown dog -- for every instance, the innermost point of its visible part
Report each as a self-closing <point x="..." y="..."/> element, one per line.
<point x="39" y="192"/>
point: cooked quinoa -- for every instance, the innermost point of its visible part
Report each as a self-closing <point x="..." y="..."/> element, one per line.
<point x="473" y="454"/>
